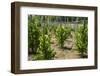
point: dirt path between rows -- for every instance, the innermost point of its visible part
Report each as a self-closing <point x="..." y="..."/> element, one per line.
<point x="68" y="52"/>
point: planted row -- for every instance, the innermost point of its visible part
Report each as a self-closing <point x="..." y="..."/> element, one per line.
<point x="39" y="39"/>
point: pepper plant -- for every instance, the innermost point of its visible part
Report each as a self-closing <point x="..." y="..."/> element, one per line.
<point x="81" y="40"/>
<point x="44" y="52"/>
<point x="62" y="33"/>
<point x="33" y="33"/>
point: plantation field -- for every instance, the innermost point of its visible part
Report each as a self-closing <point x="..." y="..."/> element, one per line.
<point x="53" y="40"/>
<point x="68" y="52"/>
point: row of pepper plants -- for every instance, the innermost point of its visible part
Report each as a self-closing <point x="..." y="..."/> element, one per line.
<point x="39" y="38"/>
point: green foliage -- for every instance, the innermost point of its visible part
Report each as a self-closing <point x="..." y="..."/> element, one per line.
<point x="82" y="39"/>
<point x="42" y="28"/>
<point x="45" y="29"/>
<point x="33" y="33"/>
<point x="45" y="52"/>
<point x="62" y="33"/>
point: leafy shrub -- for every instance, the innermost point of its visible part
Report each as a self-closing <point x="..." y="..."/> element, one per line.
<point x="82" y="40"/>
<point x="33" y="34"/>
<point x="45" y="52"/>
<point x="62" y="34"/>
